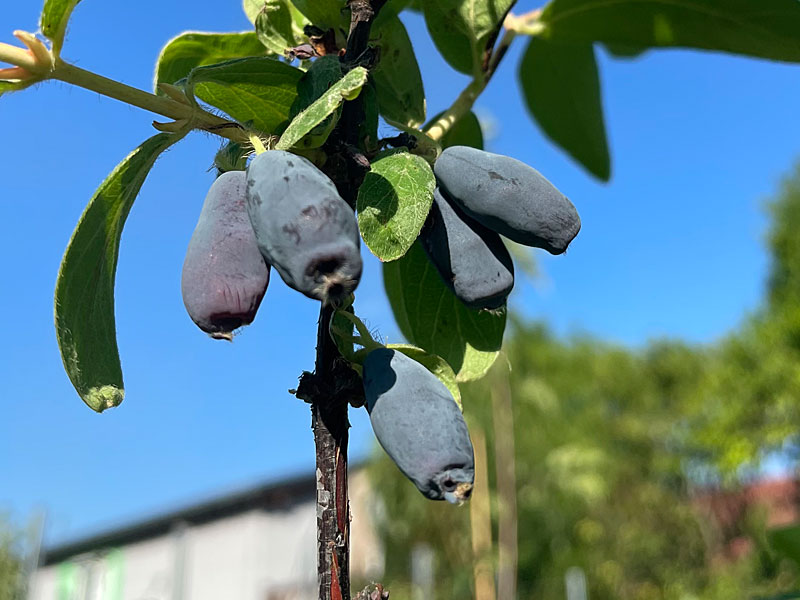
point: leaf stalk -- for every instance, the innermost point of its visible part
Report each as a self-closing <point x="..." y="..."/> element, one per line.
<point x="466" y="99"/>
<point x="162" y="105"/>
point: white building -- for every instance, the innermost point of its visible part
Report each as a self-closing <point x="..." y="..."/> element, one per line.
<point x="259" y="544"/>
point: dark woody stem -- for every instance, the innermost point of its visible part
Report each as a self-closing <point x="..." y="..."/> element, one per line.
<point x="331" y="386"/>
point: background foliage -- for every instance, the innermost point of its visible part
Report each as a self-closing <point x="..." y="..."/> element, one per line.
<point x="10" y="561"/>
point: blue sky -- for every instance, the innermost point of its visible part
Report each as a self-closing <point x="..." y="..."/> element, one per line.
<point x="672" y="246"/>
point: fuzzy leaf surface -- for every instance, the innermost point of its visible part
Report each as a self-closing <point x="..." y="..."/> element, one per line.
<point x="461" y="29"/>
<point x="369" y="127"/>
<point x="325" y="14"/>
<point x="193" y="49"/>
<point x="760" y="28"/>
<point x="393" y="202"/>
<point x="320" y="77"/>
<point x="561" y="88"/>
<point x="431" y="317"/>
<point x="84" y="299"/>
<point x="398" y="81"/>
<point x="347" y="87"/>
<point x="259" y="91"/>
<point x="279" y="25"/>
<point x="54" y="19"/>
<point x="12" y="86"/>
<point x="252" y="8"/>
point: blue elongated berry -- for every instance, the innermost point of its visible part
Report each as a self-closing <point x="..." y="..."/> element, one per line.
<point x="303" y="227"/>
<point x="472" y="259"/>
<point x="509" y="197"/>
<point x="224" y="275"/>
<point x="419" y="425"/>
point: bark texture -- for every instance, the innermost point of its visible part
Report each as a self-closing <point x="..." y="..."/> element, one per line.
<point x="333" y="385"/>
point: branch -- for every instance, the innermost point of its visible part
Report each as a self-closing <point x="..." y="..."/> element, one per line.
<point x="527" y="24"/>
<point x="332" y="384"/>
<point x="346" y="164"/>
<point x="362" y="14"/>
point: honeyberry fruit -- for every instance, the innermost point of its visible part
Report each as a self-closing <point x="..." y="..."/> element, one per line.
<point x="472" y="259"/>
<point x="224" y="275"/>
<point x="303" y="227"/>
<point x="509" y="197"/>
<point x="419" y="425"/>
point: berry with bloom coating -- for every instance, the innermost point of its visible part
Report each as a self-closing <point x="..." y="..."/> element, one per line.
<point x="303" y="227"/>
<point x="472" y="260"/>
<point x="509" y="197"/>
<point x="224" y="275"/>
<point x="419" y="424"/>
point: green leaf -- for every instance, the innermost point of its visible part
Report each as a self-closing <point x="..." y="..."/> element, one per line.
<point x="13" y="86"/>
<point x="761" y="28"/>
<point x="325" y="14"/>
<point x="231" y="157"/>
<point x="398" y="81"/>
<point x="435" y="364"/>
<point x="369" y="127"/>
<point x="279" y="25"/>
<point x="561" y="88"/>
<point x="189" y="50"/>
<point x="624" y="50"/>
<point x="54" y="20"/>
<point x="462" y="29"/>
<point x="464" y="132"/>
<point x="259" y="91"/>
<point x="252" y="8"/>
<point x="320" y="77"/>
<point x="84" y="300"/>
<point x="347" y="88"/>
<point x="426" y="146"/>
<point x="393" y="202"/>
<point x="431" y="317"/>
<point x="341" y="325"/>
<point x="394" y="7"/>
<point x="391" y="9"/>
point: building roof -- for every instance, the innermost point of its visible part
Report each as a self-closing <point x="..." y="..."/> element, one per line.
<point x="274" y="495"/>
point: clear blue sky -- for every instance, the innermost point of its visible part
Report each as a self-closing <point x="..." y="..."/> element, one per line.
<point x="672" y="246"/>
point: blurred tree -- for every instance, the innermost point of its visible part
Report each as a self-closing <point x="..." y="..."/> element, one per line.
<point x="750" y="405"/>
<point x="602" y="443"/>
<point x="784" y="244"/>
